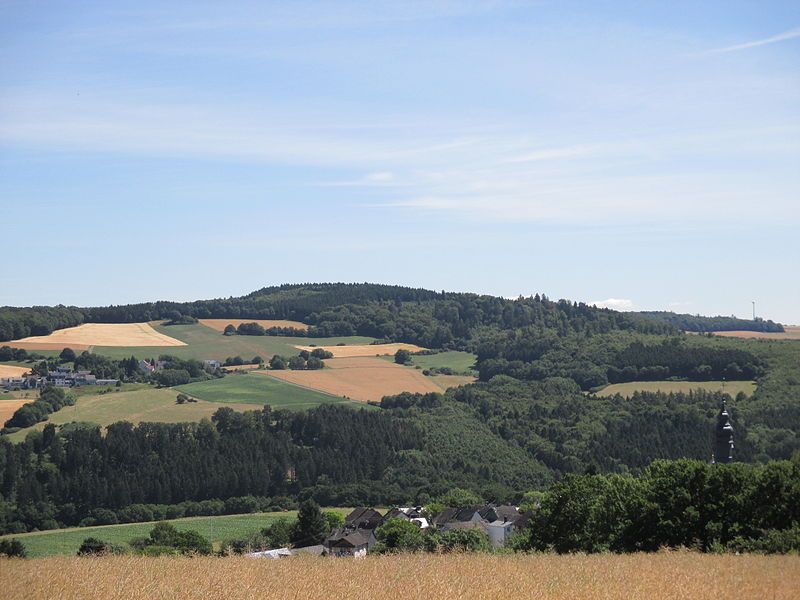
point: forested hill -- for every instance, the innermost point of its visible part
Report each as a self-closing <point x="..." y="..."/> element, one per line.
<point x="434" y="319"/>
<point x="696" y="323"/>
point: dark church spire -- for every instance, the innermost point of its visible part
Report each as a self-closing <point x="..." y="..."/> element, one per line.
<point x="723" y="437"/>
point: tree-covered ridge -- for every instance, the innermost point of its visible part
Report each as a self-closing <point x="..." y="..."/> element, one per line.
<point x="614" y="357"/>
<point x="699" y="324"/>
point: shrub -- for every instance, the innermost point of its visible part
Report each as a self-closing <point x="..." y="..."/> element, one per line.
<point x="12" y="548"/>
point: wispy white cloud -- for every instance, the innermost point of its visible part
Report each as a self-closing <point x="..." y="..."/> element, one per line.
<point x="624" y="304"/>
<point x="780" y="37"/>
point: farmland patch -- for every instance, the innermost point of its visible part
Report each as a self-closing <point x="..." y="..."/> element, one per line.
<point x="360" y="378"/>
<point x="349" y="351"/>
<point x="87" y="335"/>
<point x="220" y="324"/>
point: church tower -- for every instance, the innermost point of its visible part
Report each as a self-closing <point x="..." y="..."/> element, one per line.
<point x="723" y="437"/>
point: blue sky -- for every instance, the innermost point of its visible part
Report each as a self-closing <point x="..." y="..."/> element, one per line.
<point x="641" y="153"/>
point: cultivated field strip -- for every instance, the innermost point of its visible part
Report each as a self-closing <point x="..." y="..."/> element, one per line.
<point x="349" y="351"/>
<point x="220" y="324"/>
<point x="683" y="575"/>
<point x="84" y="336"/>
<point x="359" y="378"/>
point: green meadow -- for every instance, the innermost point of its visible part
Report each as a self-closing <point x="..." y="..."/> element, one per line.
<point x="215" y="529"/>
<point x="259" y="390"/>
<point x="460" y="362"/>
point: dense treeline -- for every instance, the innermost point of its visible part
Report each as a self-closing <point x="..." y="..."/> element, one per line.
<point x="699" y="324"/>
<point x="682" y="503"/>
<point x="17" y="323"/>
<point x="597" y="360"/>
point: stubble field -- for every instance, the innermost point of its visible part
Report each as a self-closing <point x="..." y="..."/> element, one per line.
<point x="659" y="576"/>
<point x="359" y="378"/>
<point x="792" y="332"/>
<point x="352" y="350"/>
<point x="87" y="335"/>
<point x="13" y="371"/>
<point x="220" y="324"/>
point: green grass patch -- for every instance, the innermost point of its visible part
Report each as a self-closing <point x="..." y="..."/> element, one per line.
<point x="728" y="387"/>
<point x="135" y="403"/>
<point x="215" y="529"/>
<point x="459" y="362"/>
<point x="260" y="390"/>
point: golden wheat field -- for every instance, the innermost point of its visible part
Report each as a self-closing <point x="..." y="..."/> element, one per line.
<point x="84" y="336"/>
<point x="360" y="378"/>
<point x="9" y="407"/>
<point x="220" y="324"/>
<point x="683" y="575"/>
<point x="364" y="349"/>
<point x="792" y="332"/>
<point x="13" y="371"/>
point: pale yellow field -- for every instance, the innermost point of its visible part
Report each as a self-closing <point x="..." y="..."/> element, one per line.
<point x="13" y="371"/>
<point x="359" y="378"/>
<point x="792" y="332"/>
<point x="240" y="367"/>
<point x="9" y="407"/>
<point x="728" y="387"/>
<point x="678" y="575"/>
<point x="364" y="349"/>
<point x="220" y="324"/>
<point x="84" y="336"/>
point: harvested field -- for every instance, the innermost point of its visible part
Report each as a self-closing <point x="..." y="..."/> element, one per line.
<point x="364" y="349"/>
<point x="230" y="368"/>
<point x="9" y="407"/>
<point x="792" y="332"/>
<point x="87" y="335"/>
<point x="728" y="387"/>
<point x="13" y="371"/>
<point x="577" y="577"/>
<point x="220" y="324"/>
<point x="359" y="378"/>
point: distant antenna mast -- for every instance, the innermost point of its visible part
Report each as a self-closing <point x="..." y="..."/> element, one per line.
<point x="754" y="310"/>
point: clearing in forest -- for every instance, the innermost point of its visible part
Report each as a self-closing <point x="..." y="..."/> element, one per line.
<point x="359" y="378"/>
<point x="792" y="332"/>
<point x="13" y="371"/>
<point x="364" y="349"/>
<point x="84" y="336"/>
<point x="728" y="387"/>
<point x="220" y="324"/>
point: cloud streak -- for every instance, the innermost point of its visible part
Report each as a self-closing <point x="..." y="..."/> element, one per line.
<point x="780" y="37"/>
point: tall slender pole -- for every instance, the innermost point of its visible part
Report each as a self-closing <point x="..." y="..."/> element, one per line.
<point x="754" y="310"/>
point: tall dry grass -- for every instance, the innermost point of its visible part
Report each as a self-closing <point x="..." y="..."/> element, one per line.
<point x="652" y="576"/>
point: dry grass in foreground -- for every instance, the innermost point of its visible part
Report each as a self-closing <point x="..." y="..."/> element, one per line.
<point x="651" y="576"/>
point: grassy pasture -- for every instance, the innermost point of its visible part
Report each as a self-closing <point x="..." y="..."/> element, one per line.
<point x="729" y="387"/>
<point x="466" y="576"/>
<point x="255" y="389"/>
<point x="205" y="343"/>
<point x="215" y="529"/>
<point x="460" y="362"/>
<point x="134" y="403"/>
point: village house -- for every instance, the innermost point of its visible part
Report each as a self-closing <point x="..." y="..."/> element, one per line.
<point x="348" y="541"/>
